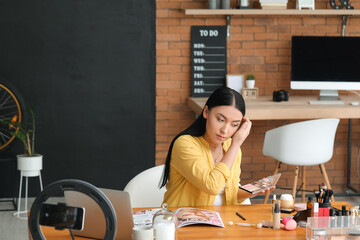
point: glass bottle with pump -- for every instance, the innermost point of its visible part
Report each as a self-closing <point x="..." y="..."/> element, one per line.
<point x="276" y="215"/>
<point x="273" y="200"/>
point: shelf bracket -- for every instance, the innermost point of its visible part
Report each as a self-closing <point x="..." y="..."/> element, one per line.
<point x="344" y="21"/>
<point x="228" y="19"/>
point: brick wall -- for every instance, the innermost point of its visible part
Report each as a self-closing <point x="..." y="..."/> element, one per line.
<point x="258" y="44"/>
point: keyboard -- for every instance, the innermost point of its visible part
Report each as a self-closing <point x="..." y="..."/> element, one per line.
<point x="327" y="102"/>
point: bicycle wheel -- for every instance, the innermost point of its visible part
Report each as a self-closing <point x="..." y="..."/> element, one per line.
<point x="11" y="108"/>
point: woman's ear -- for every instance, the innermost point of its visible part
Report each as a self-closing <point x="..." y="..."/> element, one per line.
<point x="206" y="112"/>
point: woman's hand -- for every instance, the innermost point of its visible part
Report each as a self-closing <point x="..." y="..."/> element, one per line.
<point x="237" y="139"/>
<point x="268" y="190"/>
<point x="242" y="195"/>
<point x="243" y="132"/>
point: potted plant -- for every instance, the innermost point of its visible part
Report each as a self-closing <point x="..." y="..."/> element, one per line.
<point x="250" y="80"/>
<point x="30" y="163"/>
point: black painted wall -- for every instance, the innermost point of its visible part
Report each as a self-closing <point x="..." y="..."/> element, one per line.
<point x="87" y="67"/>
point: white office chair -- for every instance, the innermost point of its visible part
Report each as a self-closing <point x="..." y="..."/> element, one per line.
<point x="144" y="188"/>
<point x="246" y="202"/>
<point x="302" y="144"/>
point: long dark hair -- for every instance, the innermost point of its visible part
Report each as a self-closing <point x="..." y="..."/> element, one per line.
<point x="223" y="96"/>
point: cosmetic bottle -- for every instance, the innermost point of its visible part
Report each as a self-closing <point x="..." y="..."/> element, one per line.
<point x="276" y="215"/>
<point x="339" y="219"/>
<point x="354" y="212"/>
<point x="315" y="210"/>
<point x="273" y="200"/>
<point x="343" y="209"/>
<point x="309" y="203"/>
<point x="346" y="218"/>
<point x="315" y="213"/>
<point x="332" y="217"/>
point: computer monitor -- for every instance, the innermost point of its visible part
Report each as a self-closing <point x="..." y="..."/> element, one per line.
<point x="325" y="63"/>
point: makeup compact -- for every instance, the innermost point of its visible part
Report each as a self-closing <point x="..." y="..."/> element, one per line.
<point x="261" y="185"/>
<point x="300" y="207"/>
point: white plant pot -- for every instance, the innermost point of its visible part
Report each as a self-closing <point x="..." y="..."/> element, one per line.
<point x="250" y="83"/>
<point x="30" y="166"/>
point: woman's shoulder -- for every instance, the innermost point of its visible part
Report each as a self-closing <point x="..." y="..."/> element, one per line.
<point x="187" y="139"/>
<point x="187" y="143"/>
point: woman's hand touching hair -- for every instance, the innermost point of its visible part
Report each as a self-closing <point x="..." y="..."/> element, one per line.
<point x="243" y="132"/>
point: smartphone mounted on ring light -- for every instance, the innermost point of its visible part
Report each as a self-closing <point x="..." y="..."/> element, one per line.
<point x="62" y="216"/>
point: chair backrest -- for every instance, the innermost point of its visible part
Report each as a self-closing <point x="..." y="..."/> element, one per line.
<point x="247" y="201"/>
<point x="303" y="143"/>
<point x="144" y="188"/>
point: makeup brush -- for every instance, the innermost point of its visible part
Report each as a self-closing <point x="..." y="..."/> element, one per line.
<point x="259" y="225"/>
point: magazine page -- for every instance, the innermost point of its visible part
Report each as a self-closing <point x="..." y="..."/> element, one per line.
<point x="188" y="216"/>
<point x="262" y="184"/>
<point x="144" y="217"/>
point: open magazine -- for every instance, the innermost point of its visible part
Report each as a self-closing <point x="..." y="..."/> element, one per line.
<point x="186" y="216"/>
<point x="262" y="184"/>
<point x="144" y="217"/>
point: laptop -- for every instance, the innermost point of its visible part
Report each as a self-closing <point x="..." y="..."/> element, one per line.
<point x="94" y="224"/>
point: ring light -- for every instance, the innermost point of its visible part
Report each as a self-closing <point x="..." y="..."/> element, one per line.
<point x="73" y="185"/>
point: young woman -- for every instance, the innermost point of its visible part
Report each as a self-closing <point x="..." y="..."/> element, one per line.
<point x="203" y="163"/>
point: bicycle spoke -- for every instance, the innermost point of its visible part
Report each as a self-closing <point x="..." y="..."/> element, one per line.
<point x="3" y="102"/>
<point x="9" y="111"/>
<point x="10" y="116"/>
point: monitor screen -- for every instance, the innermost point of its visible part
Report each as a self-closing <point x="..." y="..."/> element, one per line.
<point x="325" y="63"/>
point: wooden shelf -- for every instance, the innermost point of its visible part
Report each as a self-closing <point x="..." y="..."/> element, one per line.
<point x="271" y="12"/>
<point x="298" y="107"/>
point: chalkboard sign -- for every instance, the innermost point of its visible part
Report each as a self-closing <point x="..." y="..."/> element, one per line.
<point x="208" y="59"/>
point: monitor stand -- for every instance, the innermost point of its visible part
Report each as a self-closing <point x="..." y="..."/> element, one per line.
<point x="329" y="95"/>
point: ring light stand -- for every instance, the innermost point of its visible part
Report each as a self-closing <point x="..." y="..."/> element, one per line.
<point x="73" y="185"/>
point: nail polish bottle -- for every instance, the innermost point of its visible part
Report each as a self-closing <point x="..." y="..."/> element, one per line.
<point x="339" y="219"/>
<point x="343" y="209"/>
<point x="332" y="217"/>
<point x="346" y="219"/>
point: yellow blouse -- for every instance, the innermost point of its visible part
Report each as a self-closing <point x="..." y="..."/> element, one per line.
<point x="195" y="180"/>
